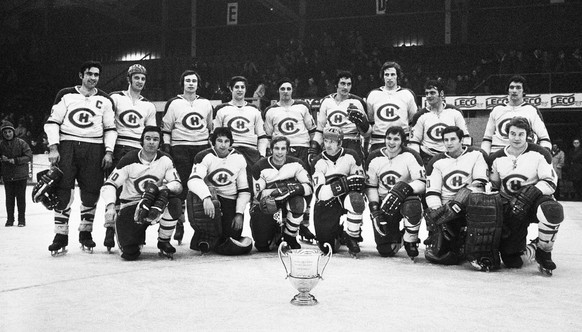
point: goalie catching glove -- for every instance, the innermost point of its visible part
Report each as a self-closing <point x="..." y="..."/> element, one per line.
<point x="358" y="118"/>
<point x="395" y="198"/>
<point x="345" y="184"/>
<point x="523" y="201"/>
<point x="44" y="189"/>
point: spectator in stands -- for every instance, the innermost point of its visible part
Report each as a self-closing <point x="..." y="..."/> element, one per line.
<point x="558" y="163"/>
<point x="575" y="167"/>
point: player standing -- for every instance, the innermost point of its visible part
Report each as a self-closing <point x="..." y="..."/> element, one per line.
<point x="281" y="183"/>
<point x="132" y="113"/>
<point x="395" y="178"/>
<point x="496" y="132"/>
<point x="245" y="122"/>
<point x="149" y="184"/>
<point x="81" y="137"/>
<point x="338" y="177"/>
<point x="524" y="175"/>
<point x="186" y="125"/>
<point x="223" y="169"/>
<point x="345" y="111"/>
<point x="389" y="105"/>
<point x="429" y="123"/>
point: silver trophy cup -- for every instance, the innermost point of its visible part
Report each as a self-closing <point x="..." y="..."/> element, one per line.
<point x="304" y="268"/>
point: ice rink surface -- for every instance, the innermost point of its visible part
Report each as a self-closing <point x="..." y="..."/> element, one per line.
<point x="101" y="292"/>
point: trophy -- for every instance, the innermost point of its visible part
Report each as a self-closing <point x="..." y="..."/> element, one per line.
<point x="304" y="268"/>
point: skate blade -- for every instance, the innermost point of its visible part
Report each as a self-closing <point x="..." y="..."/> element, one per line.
<point x="545" y="272"/>
<point x="354" y="255"/>
<point x="86" y="249"/>
<point x="167" y="255"/>
<point x="109" y="251"/>
<point x="60" y="252"/>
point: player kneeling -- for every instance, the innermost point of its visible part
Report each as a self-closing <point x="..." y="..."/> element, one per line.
<point x="461" y="219"/>
<point x="524" y="175"/>
<point x="281" y="183"/>
<point x="219" y="194"/>
<point x="395" y="178"/>
<point x="339" y="181"/>
<point x="149" y="185"/>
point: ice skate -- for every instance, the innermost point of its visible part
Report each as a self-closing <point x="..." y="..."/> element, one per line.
<point x="352" y="244"/>
<point x="59" y="245"/>
<point x="544" y="259"/>
<point x="291" y="241"/>
<point x="166" y="250"/>
<point x="411" y="249"/>
<point x="179" y="233"/>
<point x="109" y="241"/>
<point x="305" y="234"/>
<point x="86" y="240"/>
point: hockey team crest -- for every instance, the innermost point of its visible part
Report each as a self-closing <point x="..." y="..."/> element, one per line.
<point x="304" y="268"/>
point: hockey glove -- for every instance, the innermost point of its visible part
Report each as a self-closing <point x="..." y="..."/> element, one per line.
<point x="378" y="219"/>
<point x="147" y="200"/>
<point x="157" y="209"/>
<point x="314" y="148"/>
<point x="288" y="190"/>
<point x="358" y="118"/>
<point x="46" y="181"/>
<point x="523" y="201"/>
<point x="395" y="198"/>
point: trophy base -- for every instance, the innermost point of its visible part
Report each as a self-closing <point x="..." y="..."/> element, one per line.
<point x="304" y="299"/>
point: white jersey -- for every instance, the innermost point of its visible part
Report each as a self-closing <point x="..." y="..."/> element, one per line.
<point x="245" y="122"/>
<point x="187" y="123"/>
<point x="447" y="175"/>
<point x="532" y="167"/>
<point x="132" y="174"/>
<point x="267" y="175"/>
<point x="496" y="131"/>
<point x="75" y="117"/>
<point x="428" y="127"/>
<point x="334" y="114"/>
<point x="294" y="122"/>
<point x="131" y="118"/>
<point x="390" y="108"/>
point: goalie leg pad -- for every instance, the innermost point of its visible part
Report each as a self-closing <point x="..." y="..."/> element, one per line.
<point x="232" y="247"/>
<point x="264" y="229"/>
<point x="484" y="222"/>
<point x="354" y="202"/>
<point x="296" y="205"/>
<point x="207" y="231"/>
<point x="326" y="218"/>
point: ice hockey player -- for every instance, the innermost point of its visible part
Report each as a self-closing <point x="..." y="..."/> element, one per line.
<point x="223" y="169"/>
<point x="524" y="175"/>
<point x="395" y="178"/>
<point x="132" y="113"/>
<point x="338" y="178"/>
<point x="452" y="177"/>
<point x="150" y="185"/>
<point x="281" y="183"/>
<point x="81" y="136"/>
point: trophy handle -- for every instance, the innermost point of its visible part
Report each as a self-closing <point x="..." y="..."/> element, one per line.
<point x="279" y="251"/>
<point x="326" y="259"/>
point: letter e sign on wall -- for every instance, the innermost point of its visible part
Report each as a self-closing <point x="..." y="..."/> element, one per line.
<point x="232" y="13"/>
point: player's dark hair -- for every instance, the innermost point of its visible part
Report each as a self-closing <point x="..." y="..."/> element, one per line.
<point x="435" y="84"/>
<point x="343" y="74"/>
<point x="391" y="64"/>
<point x="152" y="129"/>
<point x="188" y="73"/>
<point x="517" y="79"/>
<point x="520" y="122"/>
<point x="221" y="131"/>
<point x="283" y="81"/>
<point x="235" y="79"/>
<point x="453" y="129"/>
<point x="397" y="130"/>
<point x="278" y="139"/>
<point x="90" y="64"/>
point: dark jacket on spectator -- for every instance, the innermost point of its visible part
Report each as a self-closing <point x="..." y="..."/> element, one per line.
<point x="18" y="150"/>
